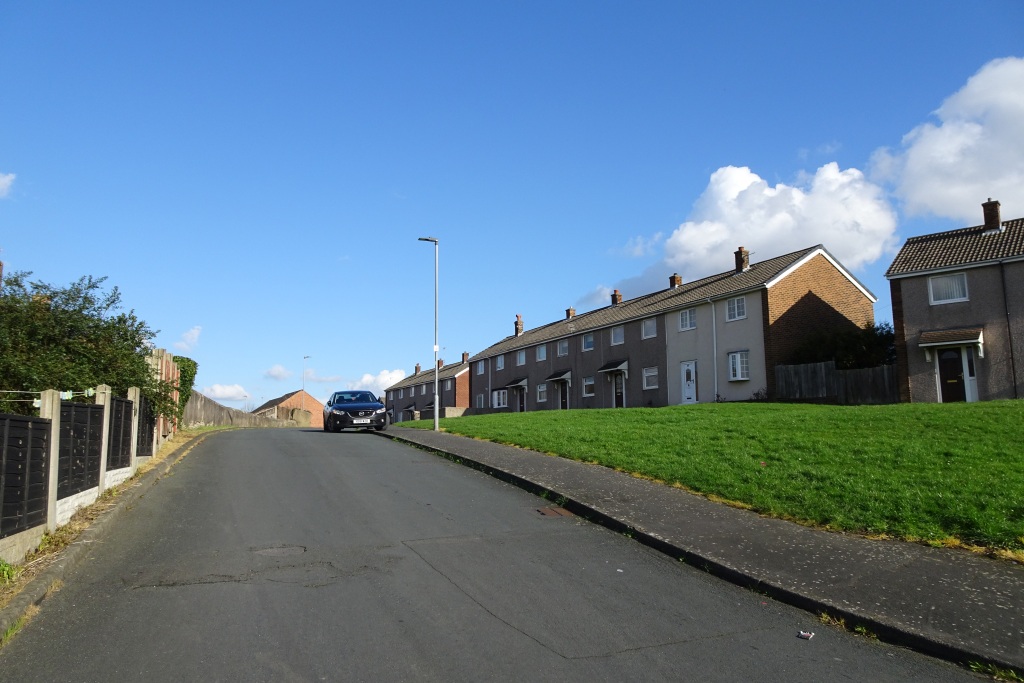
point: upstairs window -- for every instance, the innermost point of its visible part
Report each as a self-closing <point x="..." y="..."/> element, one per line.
<point x="521" y="357"/>
<point x="947" y="289"/>
<point x="618" y="335"/>
<point x="479" y="367"/>
<point x="563" y="347"/>
<point x="499" y="363"/>
<point x="542" y="352"/>
<point x="423" y="389"/>
<point x="447" y="385"/>
<point x="736" y="309"/>
<point x="688" y="319"/>
<point x="649" y="328"/>
<point x="588" y="341"/>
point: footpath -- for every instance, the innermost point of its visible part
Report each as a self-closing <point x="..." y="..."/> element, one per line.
<point x="950" y="604"/>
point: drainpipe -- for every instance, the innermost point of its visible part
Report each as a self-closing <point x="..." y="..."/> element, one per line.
<point x="1009" y="329"/>
<point x="714" y="345"/>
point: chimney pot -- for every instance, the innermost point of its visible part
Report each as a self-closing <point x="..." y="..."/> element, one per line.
<point x="993" y="222"/>
<point x="519" y="325"/>
<point x="674" y="281"/>
<point x="570" y="313"/>
<point x="616" y="297"/>
<point x="742" y="260"/>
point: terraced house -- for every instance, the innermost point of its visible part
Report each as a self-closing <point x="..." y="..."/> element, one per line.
<point x="958" y="312"/>
<point x="717" y="338"/>
<point x="412" y="398"/>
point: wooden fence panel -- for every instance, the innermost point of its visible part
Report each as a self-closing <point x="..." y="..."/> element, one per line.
<point x="822" y="383"/>
<point x="81" y="445"/>
<point x="24" y="472"/>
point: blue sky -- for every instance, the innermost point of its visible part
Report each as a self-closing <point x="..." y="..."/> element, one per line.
<point x="254" y="176"/>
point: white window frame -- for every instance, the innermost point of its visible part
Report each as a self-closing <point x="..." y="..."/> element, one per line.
<point x="588" y="386"/>
<point x="401" y="393"/>
<point x="479" y="400"/>
<point x="931" y="289"/>
<point x="423" y="390"/>
<point x="622" y="335"/>
<point x="563" y="347"/>
<point x="587" y="341"/>
<point x="688" y="319"/>
<point x="542" y="392"/>
<point x="499" y="362"/>
<point x="521" y="357"/>
<point x="479" y="367"/>
<point x="646" y="333"/>
<point x="499" y="398"/>
<point x="447" y="385"/>
<point x="739" y="366"/>
<point x="736" y="309"/>
<point x="650" y="378"/>
<point x="541" y="354"/>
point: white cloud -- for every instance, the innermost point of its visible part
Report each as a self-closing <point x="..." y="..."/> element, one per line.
<point x="6" y="180"/>
<point x="597" y="297"/>
<point x="379" y="382"/>
<point x="974" y="151"/>
<point x="189" y="340"/>
<point x="278" y="372"/>
<point x="837" y="208"/>
<point x="311" y="376"/>
<point x="226" y="392"/>
<point x="640" y="246"/>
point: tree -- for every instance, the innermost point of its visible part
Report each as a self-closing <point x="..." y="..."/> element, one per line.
<point x="867" y="347"/>
<point x="73" y="338"/>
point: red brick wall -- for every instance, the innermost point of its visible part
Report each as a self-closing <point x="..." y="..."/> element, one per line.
<point x="302" y="399"/>
<point x="814" y="298"/>
<point x="462" y="399"/>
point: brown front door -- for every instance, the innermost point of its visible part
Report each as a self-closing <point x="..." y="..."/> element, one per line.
<point x="563" y="395"/>
<point x="522" y="399"/>
<point x="951" y="376"/>
<point x="620" y="394"/>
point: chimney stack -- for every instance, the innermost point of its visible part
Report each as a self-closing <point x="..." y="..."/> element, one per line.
<point x="465" y="356"/>
<point x="616" y="297"/>
<point x="993" y="222"/>
<point x="440" y="363"/>
<point x="742" y="260"/>
<point x="417" y="369"/>
<point x="675" y="281"/>
<point x="570" y="313"/>
<point x="519" y="325"/>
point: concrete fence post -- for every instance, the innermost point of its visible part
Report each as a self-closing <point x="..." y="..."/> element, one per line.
<point x="135" y="396"/>
<point x="103" y="399"/>
<point x="49" y="409"/>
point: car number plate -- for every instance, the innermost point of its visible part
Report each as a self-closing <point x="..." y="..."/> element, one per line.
<point x="360" y="422"/>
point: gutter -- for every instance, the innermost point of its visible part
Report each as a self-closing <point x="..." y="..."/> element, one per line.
<point x="1009" y="329"/>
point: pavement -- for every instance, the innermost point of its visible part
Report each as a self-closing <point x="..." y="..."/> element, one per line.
<point x="947" y="603"/>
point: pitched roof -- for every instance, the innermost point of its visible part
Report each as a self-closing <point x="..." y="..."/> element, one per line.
<point x="729" y="283"/>
<point x="972" y="246"/>
<point x="281" y="399"/>
<point x="447" y="372"/>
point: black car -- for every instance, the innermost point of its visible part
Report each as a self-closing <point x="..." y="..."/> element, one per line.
<point x="356" y="410"/>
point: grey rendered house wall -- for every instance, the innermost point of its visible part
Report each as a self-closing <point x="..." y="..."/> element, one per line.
<point x="641" y="353"/>
<point x="986" y="308"/>
<point x="746" y="334"/>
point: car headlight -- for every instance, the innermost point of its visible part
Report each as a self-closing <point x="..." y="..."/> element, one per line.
<point x="378" y="412"/>
<point x="337" y="411"/>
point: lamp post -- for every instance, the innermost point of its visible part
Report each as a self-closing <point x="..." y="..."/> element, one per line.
<point x="437" y="403"/>
<point x="302" y="397"/>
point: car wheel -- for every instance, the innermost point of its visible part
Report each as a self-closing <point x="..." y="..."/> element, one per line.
<point x="325" y="425"/>
<point x="382" y="427"/>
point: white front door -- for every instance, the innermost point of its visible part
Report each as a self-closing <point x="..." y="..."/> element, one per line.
<point x="688" y="368"/>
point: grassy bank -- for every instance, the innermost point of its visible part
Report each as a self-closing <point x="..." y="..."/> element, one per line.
<point x="943" y="473"/>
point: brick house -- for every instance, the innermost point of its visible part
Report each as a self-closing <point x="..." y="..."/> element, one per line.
<point x="717" y="338"/>
<point x="413" y="397"/>
<point x="281" y="408"/>
<point x="958" y="312"/>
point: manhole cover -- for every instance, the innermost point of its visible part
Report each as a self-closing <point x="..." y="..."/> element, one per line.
<point x="278" y="551"/>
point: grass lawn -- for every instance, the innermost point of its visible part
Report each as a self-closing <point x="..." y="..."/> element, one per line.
<point x="951" y="473"/>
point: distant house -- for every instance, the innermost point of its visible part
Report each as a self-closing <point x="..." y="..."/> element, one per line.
<point x="958" y="312"/>
<point x="717" y="338"/>
<point x="282" y="407"/>
<point x="412" y="398"/>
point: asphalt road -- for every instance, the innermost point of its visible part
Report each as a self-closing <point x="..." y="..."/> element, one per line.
<point x="295" y="555"/>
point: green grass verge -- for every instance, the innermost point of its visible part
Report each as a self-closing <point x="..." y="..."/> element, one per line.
<point x="941" y="473"/>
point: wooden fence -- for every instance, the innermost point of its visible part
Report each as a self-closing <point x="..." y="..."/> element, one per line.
<point x="823" y="383"/>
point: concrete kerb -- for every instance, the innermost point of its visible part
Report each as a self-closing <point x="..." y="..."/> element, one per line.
<point x="884" y="632"/>
<point x="39" y="588"/>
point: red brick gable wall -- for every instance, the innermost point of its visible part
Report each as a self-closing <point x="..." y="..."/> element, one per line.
<point x="302" y="399"/>
<point x="814" y="298"/>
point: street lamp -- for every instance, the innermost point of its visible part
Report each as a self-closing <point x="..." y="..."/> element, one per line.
<point x="437" y="403"/>
<point x="302" y="396"/>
